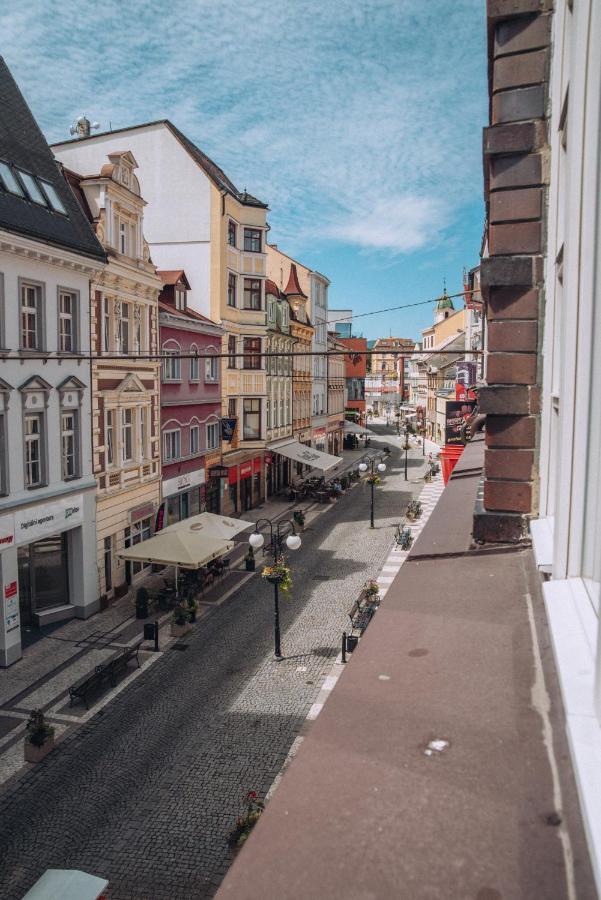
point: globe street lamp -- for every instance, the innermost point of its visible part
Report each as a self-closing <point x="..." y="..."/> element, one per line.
<point x="364" y="464"/>
<point x="280" y="533"/>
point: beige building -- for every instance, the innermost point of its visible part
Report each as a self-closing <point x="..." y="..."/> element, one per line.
<point x="125" y="385"/>
<point x="279" y="385"/>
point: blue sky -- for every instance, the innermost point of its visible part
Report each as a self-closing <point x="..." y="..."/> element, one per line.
<point x="358" y="122"/>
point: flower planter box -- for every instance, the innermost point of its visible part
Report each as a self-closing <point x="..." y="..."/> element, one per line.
<point x="34" y="754"/>
<point x="180" y="630"/>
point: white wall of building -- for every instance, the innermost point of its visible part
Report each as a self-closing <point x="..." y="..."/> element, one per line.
<point x="169" y="179"/>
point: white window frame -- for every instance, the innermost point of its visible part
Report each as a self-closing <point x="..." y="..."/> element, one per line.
<point x="109" y="437"/>
<point x="172" y="445"/>
<point x="36" y="310"/>
<point x="124" y="329"/>
<point x="70" y="433"/>
<point x="194" y="365"/>
<point x="211" y="370"/>
<point x="71" y="317"/>
<point x="252" y="413"/>
<point x="172" y="365"/>
<point x="105" y="325"/>
<point x="194" y="440"/>
<point x="212" y="435"/>
<point x="127" y="429"/>
<point x="34" y="439"/>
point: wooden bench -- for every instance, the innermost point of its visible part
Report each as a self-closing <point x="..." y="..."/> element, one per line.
<point x="104" y="672"/>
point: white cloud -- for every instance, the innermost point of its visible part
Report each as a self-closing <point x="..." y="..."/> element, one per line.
<point x="357" y="121"/>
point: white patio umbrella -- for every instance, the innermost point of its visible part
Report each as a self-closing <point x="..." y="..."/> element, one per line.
<point x="211" y="525"/>
<point x="177" y="547"/>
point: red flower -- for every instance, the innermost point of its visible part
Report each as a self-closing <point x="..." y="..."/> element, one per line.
<point x="252" y="795"/>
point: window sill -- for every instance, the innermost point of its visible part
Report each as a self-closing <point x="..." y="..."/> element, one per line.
<point x="211" y="381"/>
<point x="171" y="381"/>
<point x="72" y="478"/>
<point x="36" y="487"/>
<point x="70" y="353"/>
<point x="541" y="531"/>
<point x="23" y="352"/>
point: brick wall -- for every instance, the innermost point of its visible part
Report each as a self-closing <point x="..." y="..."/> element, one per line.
<point x="515" y="177"/>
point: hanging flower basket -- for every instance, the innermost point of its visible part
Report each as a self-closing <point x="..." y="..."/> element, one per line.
<point x="279" y="574"/>
<point x="373" y="479"/>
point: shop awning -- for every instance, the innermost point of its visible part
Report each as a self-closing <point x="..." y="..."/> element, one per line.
<point x="307" y="455"/>
<point x="66" y="884"/>
<point x="353" y="428"/>
<point x="177" y="547"/>
<point x="212" y="525"/>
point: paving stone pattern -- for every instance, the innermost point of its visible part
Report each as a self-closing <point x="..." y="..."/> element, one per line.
<point x="146" y="791"/>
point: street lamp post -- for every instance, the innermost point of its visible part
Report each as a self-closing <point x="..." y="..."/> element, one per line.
<point x="406" y="448"/>
<point x="363" y="466"/>
<point x="280" y="533"/>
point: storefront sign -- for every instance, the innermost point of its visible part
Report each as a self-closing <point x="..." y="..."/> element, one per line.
<point x="319" y="433"/>
<point x="456" y="413"/>
<point x="246" y="470"/>
<point x="228" y="427"/>
<point x="142" y="512"/>
<point x="257" y="464"/>
<point x="7" y="532"/>
<point x="183" y="482"/>
<point x="11" y="606"/>
<point x="51" y="518"/>
<point x="218" y="472"/>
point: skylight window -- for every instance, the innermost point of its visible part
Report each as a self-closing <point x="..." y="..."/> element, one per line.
<point x="32" y="188"/>
<point x="9" y="182"/>
<point x="55" y="201"/>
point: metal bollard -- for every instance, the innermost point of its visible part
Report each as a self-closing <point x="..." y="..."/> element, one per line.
<point x="156" y="636"/>
<point x="344" y="646"/>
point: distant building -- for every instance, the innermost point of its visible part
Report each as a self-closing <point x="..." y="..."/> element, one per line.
<point x="340" y="321"/>
<point x="355" y="372"/>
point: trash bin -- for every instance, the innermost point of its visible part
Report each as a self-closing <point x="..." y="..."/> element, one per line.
<point x="351" y="642"/>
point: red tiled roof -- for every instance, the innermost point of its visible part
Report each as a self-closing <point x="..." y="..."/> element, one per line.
<point x="172" y="276"/>
<point x="272" y="288"/>
<point x="293" y="287"/>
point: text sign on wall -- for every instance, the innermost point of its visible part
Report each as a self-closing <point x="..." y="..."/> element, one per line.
<point x="51" y="518"/>
<point x="457" y="412"/>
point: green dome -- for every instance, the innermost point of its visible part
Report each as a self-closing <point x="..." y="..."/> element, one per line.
<point x="444" y="302"/>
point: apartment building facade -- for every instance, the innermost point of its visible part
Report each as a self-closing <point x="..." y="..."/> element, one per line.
<point x="48" y="255"/>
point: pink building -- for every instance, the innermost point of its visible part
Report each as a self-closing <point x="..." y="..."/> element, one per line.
<point x="190" y="403"/>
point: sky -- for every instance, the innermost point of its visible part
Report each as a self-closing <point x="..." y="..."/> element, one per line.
<point x="358" y="121"/>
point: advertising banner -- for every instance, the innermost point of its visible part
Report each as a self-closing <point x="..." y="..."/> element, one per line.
<point x="228" y="427"/>
<point x="7" y="532"/>
<point x="456" y="413"/>
<point x="51" y="518"/>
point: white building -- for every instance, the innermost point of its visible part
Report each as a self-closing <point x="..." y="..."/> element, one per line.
<point x="48" y="255"/>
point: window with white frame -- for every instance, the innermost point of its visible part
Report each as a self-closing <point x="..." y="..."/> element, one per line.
<point x="211" y="369"/>
<point x="31" y="317"/>
<point x="67" y="321"/>
<point x="268" y="413"/>
<point x="137" y="329"/>
<point x="124" y="328"/>
<point x="231" y="349"/>
<point x="127" y="442"/>
<point x="135" y="534"/>
<point x="180" y="297"/>
<point x="231" y="289"/>
<point x="143" y="414"/>
<point x="106" y="325"/>
<point x="34" y="450"/>
<point x="194" y="439"/>
<point x="194" y="364"/>
<point x="213" y="436"/>
<point x="69" y="438"/>
<point x="251" y="419"/>
<point x="109" y="437"/>
<point x="172" y="366"/>
<point x="172" y="443"/>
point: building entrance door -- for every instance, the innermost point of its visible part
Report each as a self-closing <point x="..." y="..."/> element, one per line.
<point x="246" y="500"/>
<point x="43" y="576"/>
<point x="24" y="586"/>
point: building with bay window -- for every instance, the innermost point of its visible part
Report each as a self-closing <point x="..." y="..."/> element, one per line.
<point x="280" y="343"/>
<point x="125" y="377"/>
<point x="197" y="220"/>
<point x="190" y="403"/>
<point x="48" y="255"/>
<point x="336" y="394"/>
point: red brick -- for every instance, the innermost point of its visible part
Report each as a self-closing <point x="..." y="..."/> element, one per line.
<point x="509" y="496"/>
<point x="516" y="238"/>
<point x="516" y="171"/>
<point x="512" y="464"/>
<point x="518" y="35"/>
<point x="510" y="206"/>
<point x="520" y="71"/>
<point x="512" y="303"/>
<point x="505" y="399"/>
<point x="519" y="104"/>
<point x="512" y="336"/>
<point x="511" y="431"/>
<point x="511" y="368"/>
<point x="499" y="528"/>
<point x="507" y="272"/>
<point x="514" y="137"/>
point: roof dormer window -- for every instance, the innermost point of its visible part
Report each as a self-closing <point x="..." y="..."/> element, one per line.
<point x="33" y="188"/>
<point x="9" y="181"/>
<point x="180" y="297"/>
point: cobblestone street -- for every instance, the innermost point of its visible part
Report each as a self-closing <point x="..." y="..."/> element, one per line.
<point x="145" y="792"/>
